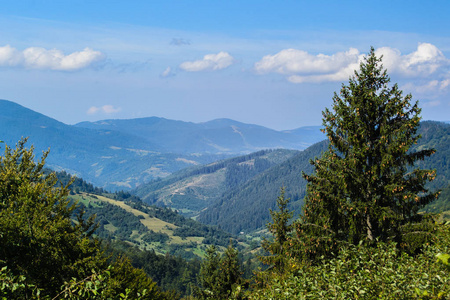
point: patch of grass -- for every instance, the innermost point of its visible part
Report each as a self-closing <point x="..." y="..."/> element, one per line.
<point x="85" y="199"/>
<point x="111" y="228"/>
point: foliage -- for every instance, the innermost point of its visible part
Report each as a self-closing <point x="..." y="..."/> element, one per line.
<point x="360" y="272"/>
<point x="365" y="186"/>
<point x="171" y="273"/>
<point x="280" y="229"/>
<point x="219" y="275"/>
<point x="38" y="238"/>
<point x="44" y="254"/>
<point x="15" y="287"/>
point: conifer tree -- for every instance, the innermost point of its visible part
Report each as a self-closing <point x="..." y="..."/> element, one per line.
<point x="230" y="273"/>
<point x="209" y="275"/>
<point x="280" y="230"/>
<point x="218" y="274"/>
<point x="365" y="186"/>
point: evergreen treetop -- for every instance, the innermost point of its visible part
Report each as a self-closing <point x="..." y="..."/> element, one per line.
<point x="281" y="230"/>
<point x="365" y="186"/>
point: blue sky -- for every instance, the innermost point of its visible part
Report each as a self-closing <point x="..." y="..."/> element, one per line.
<point x="271" y="63"/>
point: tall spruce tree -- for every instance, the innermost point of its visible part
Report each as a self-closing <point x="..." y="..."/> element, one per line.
<point x="365" y="186"/>
<point x="280" y="229"/>
<point x="219" y="275"/>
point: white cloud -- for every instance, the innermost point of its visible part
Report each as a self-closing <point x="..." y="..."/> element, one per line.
<point x="428" y="89"/>
<point x="292" y="61"/>
<point x="41" y="58"/>
<point x="422" y="88"/>
<point x="300" y="66"/>
<point x="93" y="110"/>
<point x="444" y="84"/>
<point x="9" y="56"/>
<point x="426" y="60"/>
<point x="168" y="73"/>
<point x="209" y="62"/>
<point x="106" y="109"/>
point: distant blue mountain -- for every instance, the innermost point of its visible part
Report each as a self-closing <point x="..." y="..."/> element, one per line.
<point x="217" y="136"/>
<point x="121" y="154"/>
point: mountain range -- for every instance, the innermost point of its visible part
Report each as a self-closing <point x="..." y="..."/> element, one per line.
<point x="122" y="154"/>
<point x="216" y="136"/>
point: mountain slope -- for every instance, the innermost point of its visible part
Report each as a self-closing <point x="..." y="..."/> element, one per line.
<point x="246" y="208"/>
<point x="194" y="189"/>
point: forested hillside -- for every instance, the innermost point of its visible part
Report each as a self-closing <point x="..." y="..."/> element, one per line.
<point x="244" y="208"/>
<point x="437" y="135"/>
<point x="122" y="216"/>
<point x="191" y="190"/>
<point x="257" y="196"/>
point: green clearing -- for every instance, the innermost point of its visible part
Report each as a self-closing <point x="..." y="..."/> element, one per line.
<point x="136" y="234"/>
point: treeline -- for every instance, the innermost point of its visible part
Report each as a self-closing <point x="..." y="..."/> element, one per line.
<point x="77" y="184"/>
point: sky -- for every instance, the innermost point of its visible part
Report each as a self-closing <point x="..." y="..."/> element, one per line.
<point x="270" y="63"/>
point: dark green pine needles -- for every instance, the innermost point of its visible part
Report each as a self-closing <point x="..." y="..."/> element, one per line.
<point x="365" y="186"/>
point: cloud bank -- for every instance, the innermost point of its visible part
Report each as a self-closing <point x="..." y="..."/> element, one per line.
<point x="299" y="66"/>
<point x="41" y="58"/>
<point x="106" y="109"/>
<point x="210" y="62"/>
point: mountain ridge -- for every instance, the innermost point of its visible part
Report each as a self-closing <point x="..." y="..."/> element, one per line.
<point x="122" y="154"/>
<point x="215" y="136"/>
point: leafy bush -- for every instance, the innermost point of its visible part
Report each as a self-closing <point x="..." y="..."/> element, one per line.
<point x="360" y="272"/>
